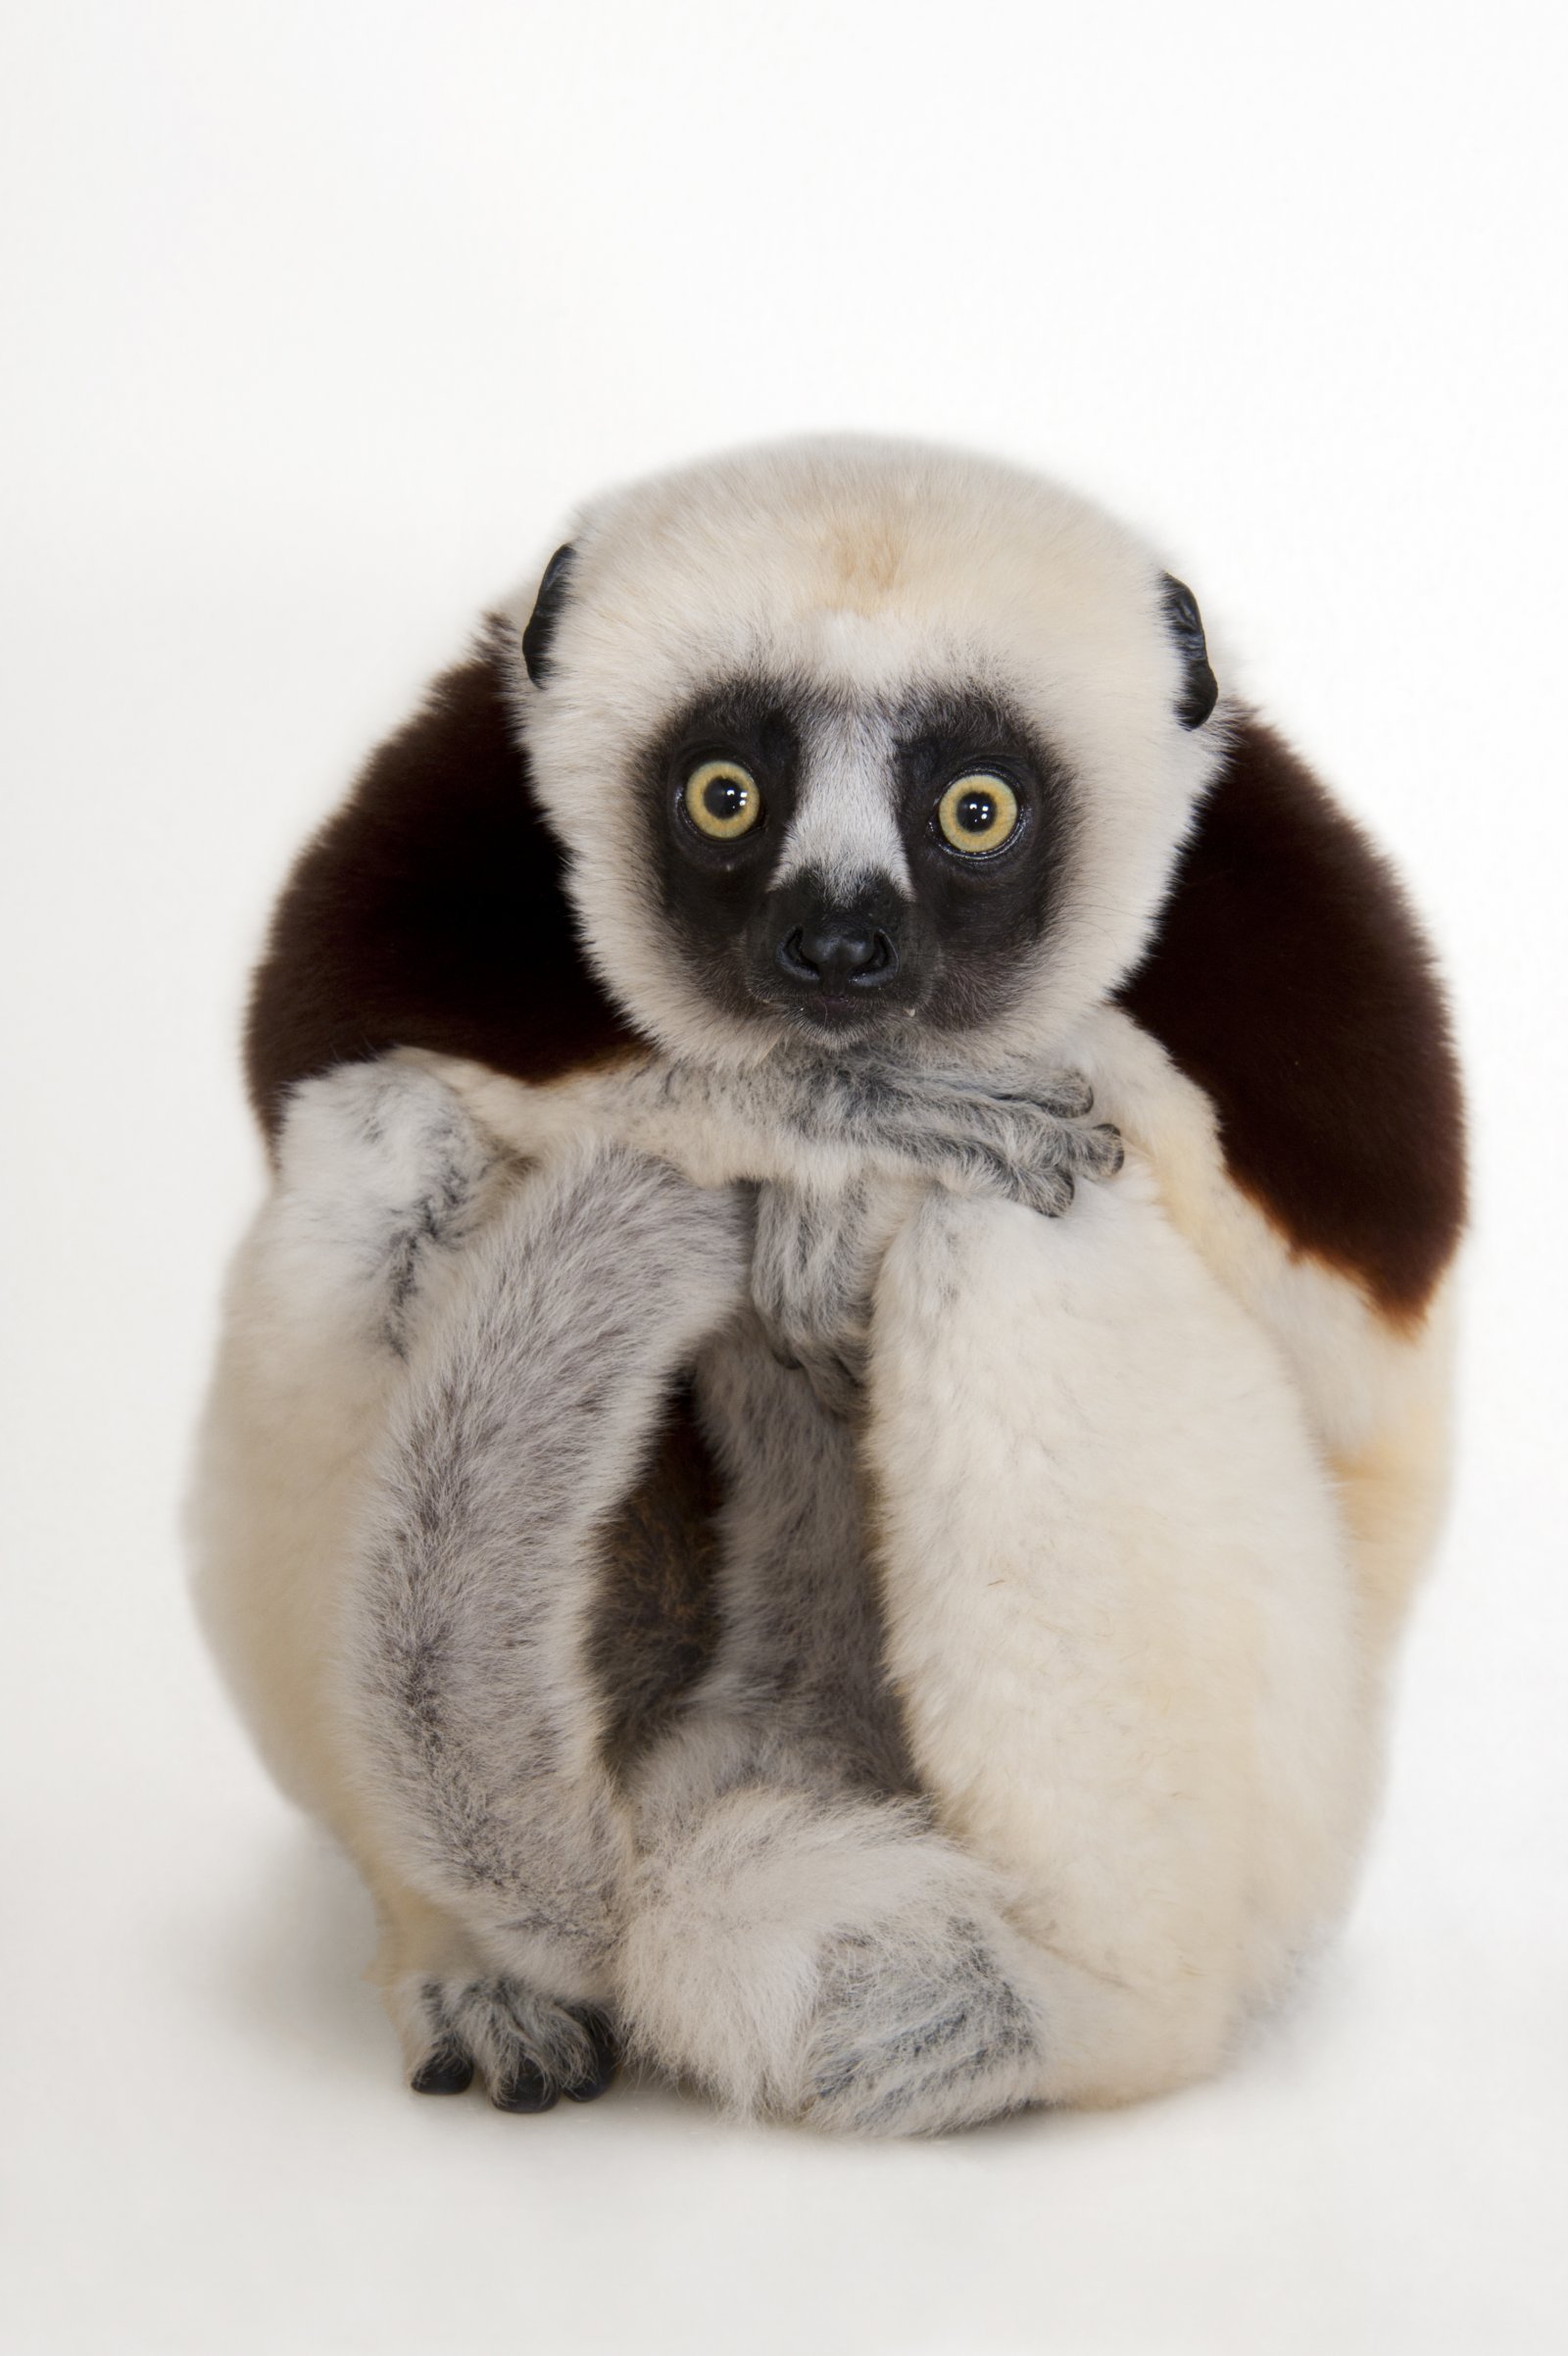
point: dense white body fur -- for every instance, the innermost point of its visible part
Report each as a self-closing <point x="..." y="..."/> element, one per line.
<point x="1375" y="1391"/>
<point x="1146" y="1487"/>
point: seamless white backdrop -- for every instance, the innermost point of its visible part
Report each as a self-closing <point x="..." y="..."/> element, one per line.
<point x="318" y="318"/>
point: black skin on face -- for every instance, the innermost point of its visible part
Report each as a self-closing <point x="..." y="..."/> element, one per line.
<point x="989" y="909"/>
<point x="961" y="946"/>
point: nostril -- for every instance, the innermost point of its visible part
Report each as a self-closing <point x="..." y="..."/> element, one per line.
<point x="791" y="956"/>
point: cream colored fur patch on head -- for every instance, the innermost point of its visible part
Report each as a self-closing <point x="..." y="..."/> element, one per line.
<point x="869" y="571"/>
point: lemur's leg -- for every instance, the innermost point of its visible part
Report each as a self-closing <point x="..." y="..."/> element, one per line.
<point x="1120" y="1616"/>
<point x="802" y="1941"/>
<point x="531" y="1398"/>
<point x="406" y="1448"/>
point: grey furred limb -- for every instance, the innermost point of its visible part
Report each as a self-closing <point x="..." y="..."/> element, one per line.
<point x="795" y="1116"/>
<point x="528" y="1399"/>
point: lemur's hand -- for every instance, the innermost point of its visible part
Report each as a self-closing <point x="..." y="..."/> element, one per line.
<point x="796" y="1119"/>
<point x="800" y="1118"/>
<point x="980" y="1134"/>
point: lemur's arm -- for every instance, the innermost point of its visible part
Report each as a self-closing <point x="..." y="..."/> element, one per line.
<point x="793" y="1121"/>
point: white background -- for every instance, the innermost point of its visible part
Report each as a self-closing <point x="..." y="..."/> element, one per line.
<point x="319" y="318"/>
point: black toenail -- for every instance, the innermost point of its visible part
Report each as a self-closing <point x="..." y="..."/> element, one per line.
<point x="529" y="2091"/>
<point x="589" y="2089"/>
<point x="606" y="2060"/>
<point x="448" y="2071"/>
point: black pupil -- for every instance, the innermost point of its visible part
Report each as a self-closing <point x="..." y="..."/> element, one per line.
<point x="724" y="798"/>
<point x="975" y="812"/>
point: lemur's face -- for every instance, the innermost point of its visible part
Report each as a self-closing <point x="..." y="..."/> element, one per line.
<point x="851" y="743"/>
<point x="845" y="863"/>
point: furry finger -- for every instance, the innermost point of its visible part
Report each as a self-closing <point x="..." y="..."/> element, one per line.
<point x="1101" y="1152"/>
<point x="1069" y="1097"/>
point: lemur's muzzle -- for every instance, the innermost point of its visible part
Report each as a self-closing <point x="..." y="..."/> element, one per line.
<point x="835" y="956"/>
<point x="839" y="952"/>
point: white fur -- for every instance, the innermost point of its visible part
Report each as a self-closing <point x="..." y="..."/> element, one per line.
<point x="845" y="828"/>
<point x="1376" y="1393"/>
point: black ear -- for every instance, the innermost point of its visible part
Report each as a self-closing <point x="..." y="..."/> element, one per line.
<point x="1201" y="692"/>
<point x="546" y="614"/>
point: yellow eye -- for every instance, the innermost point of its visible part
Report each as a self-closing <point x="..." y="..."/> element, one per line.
<point x="978" y="813"/>
<point x="721" y="798"/>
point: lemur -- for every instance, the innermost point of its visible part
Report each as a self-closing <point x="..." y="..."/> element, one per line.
<point x="827" y="1426"/>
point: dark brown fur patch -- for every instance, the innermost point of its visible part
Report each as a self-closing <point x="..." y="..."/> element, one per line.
<point x="1290" y="981"/>
<point x="656" y="1622"/>
<point x="429" y="913"/>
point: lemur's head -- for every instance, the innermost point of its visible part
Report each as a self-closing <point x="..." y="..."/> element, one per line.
<point x="848" y="739"/>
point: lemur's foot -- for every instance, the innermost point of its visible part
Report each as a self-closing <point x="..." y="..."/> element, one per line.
<point x="528" y="2049"/>
<point x="832" y="1961"/>
<point x="927" y="2030"/>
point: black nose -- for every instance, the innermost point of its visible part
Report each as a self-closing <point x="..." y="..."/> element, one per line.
<point x="835" y="951"/>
